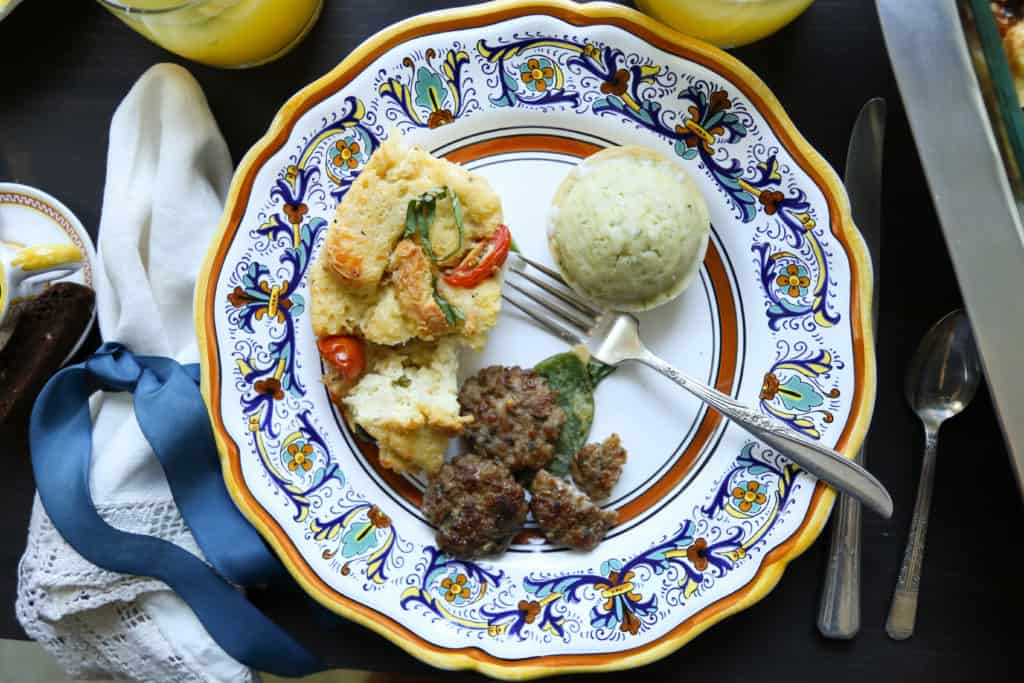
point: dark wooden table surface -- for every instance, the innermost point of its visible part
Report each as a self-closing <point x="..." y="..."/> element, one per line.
<point x="65" y="66"/>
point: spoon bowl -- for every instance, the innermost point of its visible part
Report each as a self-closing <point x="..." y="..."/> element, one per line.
<point x="945" y="371"/>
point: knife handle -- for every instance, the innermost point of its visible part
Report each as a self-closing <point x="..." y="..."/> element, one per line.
<point x="839" y="610"/>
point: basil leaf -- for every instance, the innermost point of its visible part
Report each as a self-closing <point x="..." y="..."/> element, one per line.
<point x="419" y="216"/>
<point x="568" y="375"/>
<point x="451" y="313"/>
<point x="598" y="371"/>
<point x="457" y="211"/>
<point x="457" y="214"/>
<point x="415" y="211"/>
<point x="459" y="227"/>
<point x="426" y="217"/>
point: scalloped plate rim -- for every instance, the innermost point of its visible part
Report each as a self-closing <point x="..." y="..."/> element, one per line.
<point x="775" y="561"/>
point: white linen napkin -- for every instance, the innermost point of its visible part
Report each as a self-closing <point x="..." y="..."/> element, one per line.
<point x="168" y="171"/>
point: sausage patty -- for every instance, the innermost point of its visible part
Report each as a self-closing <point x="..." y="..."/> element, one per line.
<point x="566" y="515"/>
<point x="516" y="416"/>
<point x="476" y="506"/>
<point x="598" y="466"/>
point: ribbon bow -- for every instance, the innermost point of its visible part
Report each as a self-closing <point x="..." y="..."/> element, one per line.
<point x="173" y="418"/>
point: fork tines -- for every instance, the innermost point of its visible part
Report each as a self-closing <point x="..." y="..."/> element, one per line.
<point x="564" y="313"/>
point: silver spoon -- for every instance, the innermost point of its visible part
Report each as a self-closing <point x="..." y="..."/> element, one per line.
<point x="942" y="379"/>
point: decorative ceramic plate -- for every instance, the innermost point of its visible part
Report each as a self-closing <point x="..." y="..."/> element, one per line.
<point x="708" y="518"/>
<point x="30" y="217"/>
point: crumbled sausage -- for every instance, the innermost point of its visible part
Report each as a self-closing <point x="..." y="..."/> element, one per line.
<point x="566" y="515"/>
<point x="516" y="416"/>
<point x="598" y="466"/>
<point x="476" y="505"/>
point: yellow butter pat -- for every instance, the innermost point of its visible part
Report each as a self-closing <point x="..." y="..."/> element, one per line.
<point x="47" y="256"/>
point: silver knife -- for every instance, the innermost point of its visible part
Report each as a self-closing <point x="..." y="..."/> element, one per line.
<point x="839" y="612"/>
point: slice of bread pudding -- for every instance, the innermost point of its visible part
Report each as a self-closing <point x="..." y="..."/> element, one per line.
<point x="364" y="282"/>
<point x="408" y="221"/>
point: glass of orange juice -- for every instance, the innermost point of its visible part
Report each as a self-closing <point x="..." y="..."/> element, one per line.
<point x="726" y="23"/>
<point x="225" y="33"/>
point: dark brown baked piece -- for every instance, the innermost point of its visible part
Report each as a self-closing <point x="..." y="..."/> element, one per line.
<point x="566" y="515"/>
<point x="44" y="334"/>
<point x="516" y="416"/>
<point x="476" y="506"/>
<point x="597" y="467"/>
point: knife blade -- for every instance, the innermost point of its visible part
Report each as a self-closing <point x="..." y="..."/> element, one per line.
<point x="863" y="180"/>
<point x="839" y="611"/>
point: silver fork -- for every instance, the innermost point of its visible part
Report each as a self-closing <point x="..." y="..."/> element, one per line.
<point x="613" y="338"/>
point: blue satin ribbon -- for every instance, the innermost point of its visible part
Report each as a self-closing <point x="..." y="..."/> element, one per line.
<point x="172" y="416"/>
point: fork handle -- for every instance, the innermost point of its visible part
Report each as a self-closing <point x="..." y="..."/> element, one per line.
<point x="816" y="458"/>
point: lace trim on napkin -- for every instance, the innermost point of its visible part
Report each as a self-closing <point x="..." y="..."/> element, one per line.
<point x="95" y="622"/>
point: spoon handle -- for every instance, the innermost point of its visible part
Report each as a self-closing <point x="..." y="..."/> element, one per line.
<point x="903" y="610"/>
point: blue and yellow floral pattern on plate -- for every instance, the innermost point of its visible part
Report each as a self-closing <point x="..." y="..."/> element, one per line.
<point x="519" y="91"/>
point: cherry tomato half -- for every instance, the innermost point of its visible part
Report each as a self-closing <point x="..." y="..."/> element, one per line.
<point x="344" y="353"/>
<point x="481" y="262"/>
